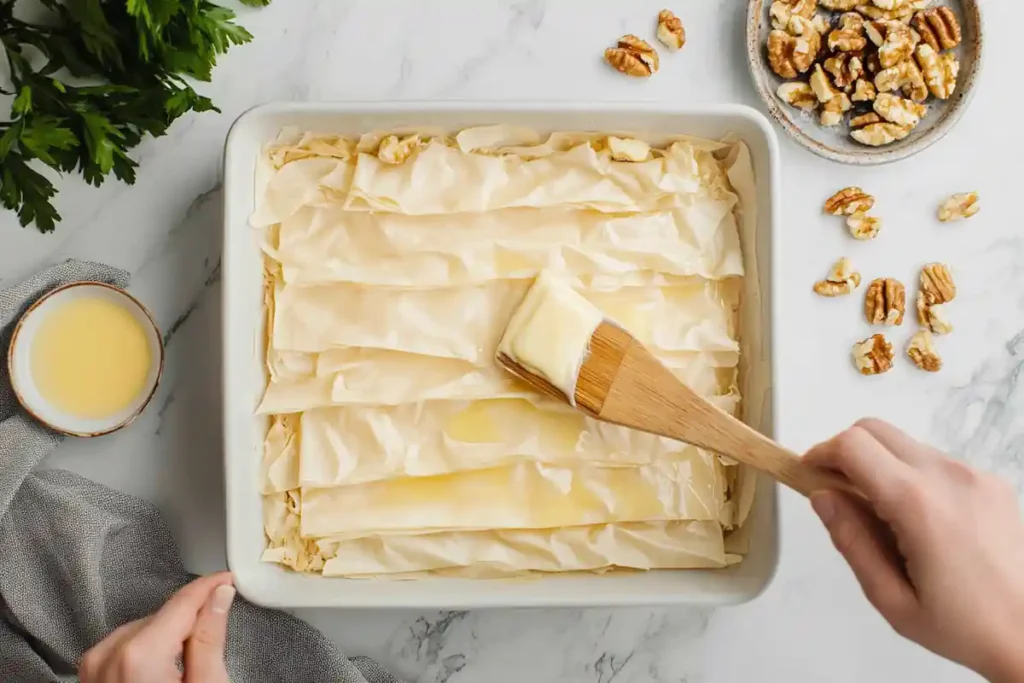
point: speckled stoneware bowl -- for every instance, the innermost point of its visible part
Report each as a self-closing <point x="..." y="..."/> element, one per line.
<point x="836" y="143"/>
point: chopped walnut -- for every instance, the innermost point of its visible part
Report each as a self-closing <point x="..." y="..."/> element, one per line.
<point x="875" y="32"/>
<point x="848" y="201"/>
<point x="849" y="37"/>
<point x="902" y="14"/>
<point x="863" y="226"/>
<point x="898" y="110"/>
<point x="885" y="302"/>
<point x="832" y="112"/>
<point x="670" y="30"/>
<point x="905" y="76"/>
<point x="633" y="57"/>
<point x="873" y="356"/>
<point x="395" y="150"/>
<point x="782" y="11"/>
<point x="845" y="68"/>
<point x="959" y="206"/>
<point x="819" y="83"/>
<point x="791" y="55"/>
<point x="940" y="71"/>
<point x="938" y="27"/>
<point x="937" y="284"/>
<point x="842" y="279"/>
<point x="933" y="317"/>
<point x="922" y="351"/>
<point x="863" y="91"/>
<point x="798" y="94"/>
<point x="628" y="149"/>
<point x="840" y="5"/>
<point x="821" y="24"/>
<point x="873" y="133"/>
<point x="900" y="41"/>
<point x="865" y="119"/>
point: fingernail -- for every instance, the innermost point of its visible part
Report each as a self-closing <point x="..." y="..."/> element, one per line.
<point x="222" y="598"/>
<point x="825" y="506"/>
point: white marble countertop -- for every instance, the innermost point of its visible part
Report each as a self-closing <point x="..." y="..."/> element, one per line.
<point x="812" y="624"/>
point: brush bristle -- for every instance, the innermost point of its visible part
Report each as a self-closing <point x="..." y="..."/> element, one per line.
<point x="608" y="346"/>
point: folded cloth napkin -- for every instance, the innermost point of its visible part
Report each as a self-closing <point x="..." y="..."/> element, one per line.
<point x="77" y="559"/>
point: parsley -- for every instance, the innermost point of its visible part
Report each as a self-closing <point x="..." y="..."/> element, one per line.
<point x="136" y="56"/>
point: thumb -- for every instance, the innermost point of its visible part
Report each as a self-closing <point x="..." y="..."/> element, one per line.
<point x="861" y="539"/>
<point x="204" y="651"/>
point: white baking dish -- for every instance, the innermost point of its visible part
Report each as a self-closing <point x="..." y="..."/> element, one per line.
<point x="272" y="585"/>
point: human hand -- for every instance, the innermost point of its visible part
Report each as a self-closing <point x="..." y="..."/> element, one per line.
<point x="192" y="622"/>
<point x="937" y="546"/>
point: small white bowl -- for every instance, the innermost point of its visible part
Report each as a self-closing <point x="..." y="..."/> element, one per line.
<point x="19" y="360"/>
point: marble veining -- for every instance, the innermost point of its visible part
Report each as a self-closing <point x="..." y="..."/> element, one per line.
<point x="812" y="624"/>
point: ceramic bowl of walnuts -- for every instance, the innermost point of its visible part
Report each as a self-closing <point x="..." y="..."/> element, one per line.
<point x="865" y="81"/>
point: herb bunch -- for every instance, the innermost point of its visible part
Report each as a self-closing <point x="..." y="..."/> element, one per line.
<point x="92" y="80"/>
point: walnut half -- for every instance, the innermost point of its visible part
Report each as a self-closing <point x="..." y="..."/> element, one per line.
<point x="873" y="356"/>
<point x="842" y="279"/>
<point x="885" y="302"/>
<point x="922" y="351"/>
<point x="633" y="57"/>
<point x="937" y="284"/>
<point x="871" y="130"/>
<point x="938" y="27"/>
<point x="848" y="201"/>
<point x="933" y="317"/>
<point x="863" y="226"/>
<point x="959" y="206"/>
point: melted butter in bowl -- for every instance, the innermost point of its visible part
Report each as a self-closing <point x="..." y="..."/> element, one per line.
<point x="85" y="359"/>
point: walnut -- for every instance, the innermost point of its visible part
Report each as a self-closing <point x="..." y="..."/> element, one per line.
<point x="902" y="14"/>
<point x="798" y="95"/>
<point x="873" y="356"/>
<point x="821" y="86"/>
<point x="849" y="37"/>
<point x="933" y="317"/>
<point x="875" y="133"/>
<point x="898" y="110"/>
<point x="922" y="351"/>
<point x="863" y="226"/>
<point x="845" y="68"/>
<point x="670" y="30"/>
<point x="885" y="302"/>
<point x="938" y="27"/>
<point x="900" y="41"/>
<point x="937" y="284"/>
<point x="940" y="71"/>
<point x="791" y="55"/>
<point x="900" y="4"/>
<point x="840" y="5"/>
<point x="821" y="24"/>
<point x="848" y="201"/>
<point x="905" y="76"/>
<point x="395" y="150"/>
<point x="781" y="11"/>
<point x="628" y="149"/>
<point x="863" y="91"/>
<point x="832" y="112"/>
<point x="959" y="206"/>
<point x="842" y="279"/>
<point x="633" y="57"/>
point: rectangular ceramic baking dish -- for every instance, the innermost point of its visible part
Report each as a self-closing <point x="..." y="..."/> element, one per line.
<point x="244" y="378"/>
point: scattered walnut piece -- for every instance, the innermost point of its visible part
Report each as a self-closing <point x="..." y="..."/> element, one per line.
<point x="905" y="76"/>
<point x="959" y="206"/>
<point x="821" y="24"/>
<point x="842" y="279"/>
<point x="819" y="83"/>
<point x="900" y="41"/>
<point x="628" y="149"/>
<point x="840" y="5"/>
<point x="902" y="14"/>
<point x="938" y="27"/>
<point x="845" y="68"/>
<point x="633" y="57"/>
<point x="898" y="110"/>
<point x="885" y="302"/>
<point x="922" y="351"/>
<point x="940" y="71"/>
<point x="849" y="37"/>
<point x="782" y="11"/>
<point x="865" y="119"/>
<point x="670" y="30"/>
<point x="863" y="91"/>
<point x="937" y="284"/>
<point x="798" y="94"/>
<point x="873" y="133"/>
<point x="848" y="201"/>
<point x="395" y="150"/>
<point x="933" y="317"/>
<point x="873" y="356"/>
<point x="863" y="226"/>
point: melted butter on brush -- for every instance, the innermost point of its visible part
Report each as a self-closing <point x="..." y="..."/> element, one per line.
<point x="549" y="333"/>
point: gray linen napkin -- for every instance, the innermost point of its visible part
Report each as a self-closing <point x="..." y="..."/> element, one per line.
<point x="77" y="559"/>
